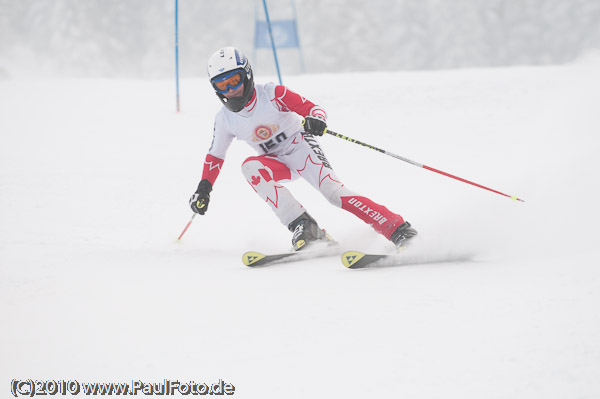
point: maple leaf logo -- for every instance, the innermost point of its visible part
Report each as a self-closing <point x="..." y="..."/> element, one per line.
<point x="268" y="192"/>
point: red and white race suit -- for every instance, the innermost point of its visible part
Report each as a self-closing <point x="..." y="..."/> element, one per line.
<point x="270" y="125"/>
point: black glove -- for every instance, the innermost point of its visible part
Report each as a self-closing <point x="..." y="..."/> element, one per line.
<point x="315" y="125"/>
<point x="199" y="201"/>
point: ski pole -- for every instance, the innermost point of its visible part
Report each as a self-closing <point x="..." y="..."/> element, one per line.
<point x="513" y="197"/>
<point x="187" y="226"/>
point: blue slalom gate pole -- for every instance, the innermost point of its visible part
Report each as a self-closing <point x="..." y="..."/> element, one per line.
<point x="272" y="41"/>
<point x="177" y="51"/>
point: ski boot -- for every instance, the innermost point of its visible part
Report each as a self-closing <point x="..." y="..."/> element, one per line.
<point x="305" y="230"/>
<point x="402" y="235"/>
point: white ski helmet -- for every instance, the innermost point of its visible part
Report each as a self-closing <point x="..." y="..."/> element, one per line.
<point x="229" y="68"/>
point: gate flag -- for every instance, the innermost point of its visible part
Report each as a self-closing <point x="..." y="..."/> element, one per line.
<point x="285" y="34"/>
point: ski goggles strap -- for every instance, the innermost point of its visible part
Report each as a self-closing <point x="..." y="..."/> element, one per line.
<point x="229" y="80"/>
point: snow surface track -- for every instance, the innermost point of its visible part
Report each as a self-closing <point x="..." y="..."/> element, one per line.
<point x="94" y="181"/>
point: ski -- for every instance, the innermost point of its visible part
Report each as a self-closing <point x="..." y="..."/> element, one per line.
<point x="253" y="258"/>
<point x="361" y="260"/>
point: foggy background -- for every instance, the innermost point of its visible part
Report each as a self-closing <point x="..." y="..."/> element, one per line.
<point x="135" y="38"/>
<point x="95" y="177"/>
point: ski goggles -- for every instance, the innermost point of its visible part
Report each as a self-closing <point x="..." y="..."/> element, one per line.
<point x="230" y="80"/>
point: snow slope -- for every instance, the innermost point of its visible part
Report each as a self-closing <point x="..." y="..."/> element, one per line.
<point x="94" y="181"/>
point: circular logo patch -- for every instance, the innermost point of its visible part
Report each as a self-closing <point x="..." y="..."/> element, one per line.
<point x="263" y="132"/>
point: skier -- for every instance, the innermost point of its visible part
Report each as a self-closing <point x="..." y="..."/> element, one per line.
<point x="265" y="117"/>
